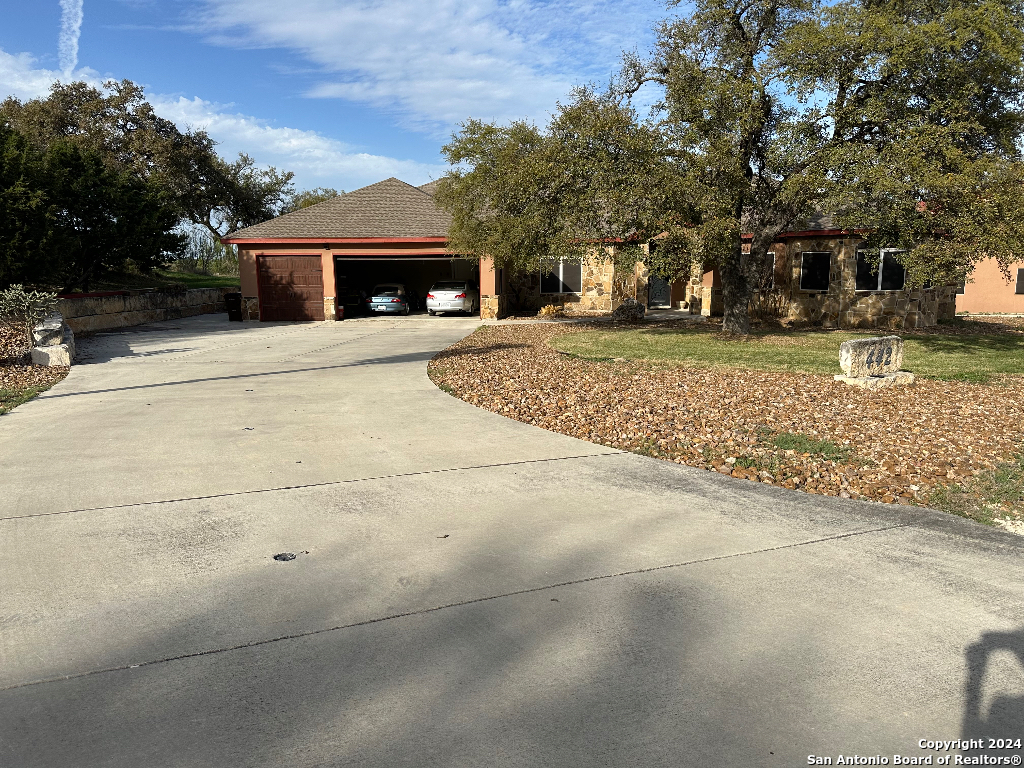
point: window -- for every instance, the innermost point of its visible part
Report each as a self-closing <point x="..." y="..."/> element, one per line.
<point x="814" y="271"/>
<point x="1020" y="281"/>
<point x="889" y="275"/>
<point x="562" y="277"/>
<point x="962" y="288"/>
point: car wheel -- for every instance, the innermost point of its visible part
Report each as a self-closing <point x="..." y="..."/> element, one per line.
<point x="431" y="312"/>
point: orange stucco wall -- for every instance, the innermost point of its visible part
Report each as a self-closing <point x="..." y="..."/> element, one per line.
<point x="247" y="273"/>
<point x="712" y="279"/>
<point x="990" y="291"/>
<point x="487" y="277"/>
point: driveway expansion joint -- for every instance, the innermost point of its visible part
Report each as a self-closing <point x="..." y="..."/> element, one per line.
<point x="324" y="484"/>
<point x="447" y="606"/>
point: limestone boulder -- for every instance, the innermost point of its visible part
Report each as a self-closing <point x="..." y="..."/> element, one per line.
<point x="899" y="378"/>
<point x="630" y="311"/>
<point x="49" y="332"/>
<point x="67" y="339"/>
<point x="871" y="357"/>
<point x="54" y="355"/>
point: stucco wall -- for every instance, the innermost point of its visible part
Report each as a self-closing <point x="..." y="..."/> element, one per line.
<point x="98" y="313"/>
<point x="990" y="292"/>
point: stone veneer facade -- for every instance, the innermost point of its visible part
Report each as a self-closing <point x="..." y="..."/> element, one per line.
<point x="602" y="290"/>
<point x="86" y="314"/>
<point x="842" y="305"/>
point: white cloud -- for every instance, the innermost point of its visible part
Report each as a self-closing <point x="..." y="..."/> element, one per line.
<point x="71" y="16"/>
<point x="315" y="159"/>
<point x="438" y="63"/>
<point x="21" y="78"/>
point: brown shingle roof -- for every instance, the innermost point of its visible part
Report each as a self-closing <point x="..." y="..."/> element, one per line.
<point x="389" y="208"/>
<point x="429" y="187"/>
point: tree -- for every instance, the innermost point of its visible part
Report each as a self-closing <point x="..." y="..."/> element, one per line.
<point x="596" y="177"/>
<point x="24" y="310"/>
<point x="120" y="127"/>
<point x="307" y="197"/>
<point x="240" y="195"/>
<point x="902" y="117"/>
<point x="23" y="223"/>
<point x="100" y="219"/>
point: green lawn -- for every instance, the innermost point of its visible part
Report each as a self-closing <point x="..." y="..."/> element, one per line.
<point x="966" y="357"/>
<point x="12" y="398"/>
<point x="162" y="278"/>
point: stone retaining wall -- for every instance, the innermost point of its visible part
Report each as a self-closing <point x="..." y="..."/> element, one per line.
<point x="98" y="313"/>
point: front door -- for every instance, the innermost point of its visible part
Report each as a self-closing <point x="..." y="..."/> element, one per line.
<point x="659" y="292"/>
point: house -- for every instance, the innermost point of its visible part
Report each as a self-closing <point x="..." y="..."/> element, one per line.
<point x="990" y="292"/>
<point x="312" y="264"/>
<point x="820" y="275"/>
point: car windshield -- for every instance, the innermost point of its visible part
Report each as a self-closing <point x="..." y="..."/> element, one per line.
<point x="449" y="286"/>
<point x="388" y="290"/>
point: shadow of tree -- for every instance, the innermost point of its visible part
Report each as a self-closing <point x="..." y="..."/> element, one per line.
<point x="969" y="345"/>
<point x="408" y="357"/>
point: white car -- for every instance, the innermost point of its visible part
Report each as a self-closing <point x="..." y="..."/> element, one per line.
<point x="453" y="296"/>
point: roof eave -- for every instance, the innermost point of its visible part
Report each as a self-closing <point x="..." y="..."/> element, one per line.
<point x="813" y="233"/>
<point x="229" y="240"/>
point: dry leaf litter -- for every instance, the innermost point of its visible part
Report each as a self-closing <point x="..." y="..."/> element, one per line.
<point x="894" y="446"/>
<point x="14" y="375"/>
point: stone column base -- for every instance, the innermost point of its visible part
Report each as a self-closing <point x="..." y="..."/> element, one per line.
<point x="490" y="307"/>
<point x="330" y="311"/>
<point x="250" y="308"/>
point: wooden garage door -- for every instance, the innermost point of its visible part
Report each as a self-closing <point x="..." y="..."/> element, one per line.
<point x="291" y="288"/>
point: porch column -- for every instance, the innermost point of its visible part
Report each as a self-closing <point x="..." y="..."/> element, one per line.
<point x="490" y="290"/>
<point x="330" y="300"/>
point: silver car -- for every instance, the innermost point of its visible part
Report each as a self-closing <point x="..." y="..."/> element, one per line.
<point x="390" y="298"/>
<point x="453" y="296"/>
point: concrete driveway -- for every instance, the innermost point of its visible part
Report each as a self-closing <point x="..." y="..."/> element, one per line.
<point x="468" y="590"/>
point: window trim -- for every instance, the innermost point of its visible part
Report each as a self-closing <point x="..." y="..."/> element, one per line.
<point x="803" y="255"/>
<point x="560" y="272"/>
<point x="882" y="253"/>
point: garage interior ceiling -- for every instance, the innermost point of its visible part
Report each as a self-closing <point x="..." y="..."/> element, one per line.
<point x="398" y="258"/>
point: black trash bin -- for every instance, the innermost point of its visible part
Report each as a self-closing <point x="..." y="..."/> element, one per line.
<point x="234" y="304"/>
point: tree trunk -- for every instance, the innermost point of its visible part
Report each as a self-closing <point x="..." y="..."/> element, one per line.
<point x="736" y="292"/>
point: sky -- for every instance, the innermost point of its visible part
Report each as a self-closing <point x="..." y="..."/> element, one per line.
<point x="343" y="93"/>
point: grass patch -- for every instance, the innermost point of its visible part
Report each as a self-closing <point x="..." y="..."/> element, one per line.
<point x="993" y="494"/>
<point x="768" y="463"/>
<point x="650" y="447"/>
<point x="162" y="278"/>
<point x="789" y="441"/>
<point x="12" y="398"/>
<point x="963" y="357"/>
<point x="436" y="374"/>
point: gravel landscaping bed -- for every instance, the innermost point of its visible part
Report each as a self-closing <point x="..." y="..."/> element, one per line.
<point x="935" y="441"/>
<point x="18" y="382"/>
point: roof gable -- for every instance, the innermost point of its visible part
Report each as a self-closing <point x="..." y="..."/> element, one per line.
<point x="389" y="208"/>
